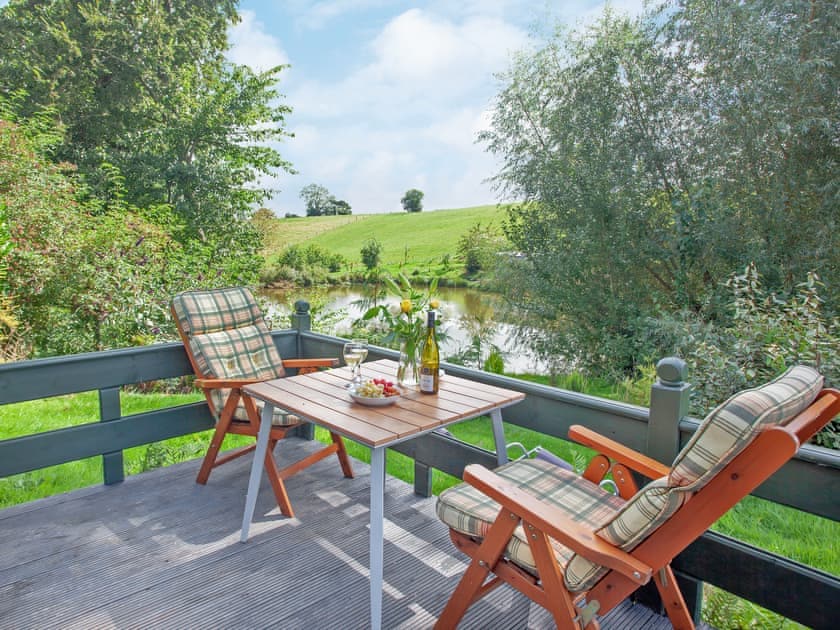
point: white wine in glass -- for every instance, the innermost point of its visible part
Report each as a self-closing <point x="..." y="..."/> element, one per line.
<point x="362" y="350"/>
<point x="354" y="354"/>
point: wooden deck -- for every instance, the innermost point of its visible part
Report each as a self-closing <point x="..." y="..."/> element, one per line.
<point x="160" y="551"/>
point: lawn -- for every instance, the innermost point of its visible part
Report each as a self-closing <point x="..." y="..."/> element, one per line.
<point x="416" y="239"/>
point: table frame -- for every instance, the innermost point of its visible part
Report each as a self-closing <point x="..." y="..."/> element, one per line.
<point x="377" y="485"/>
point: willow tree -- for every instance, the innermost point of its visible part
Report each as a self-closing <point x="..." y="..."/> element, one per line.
<point x="644" y="183"/>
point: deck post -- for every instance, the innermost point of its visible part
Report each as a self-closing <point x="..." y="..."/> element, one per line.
<point x="422" y="479"/>
<point x="109" y="409"/>
<point x="669" y="398"/>
<point x="669" y="403"/>
<point x="302" y="322"/>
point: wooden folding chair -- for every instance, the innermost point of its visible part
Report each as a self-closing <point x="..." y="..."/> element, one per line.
<point x="578" y="551"/>
<point x="229" y="346"/>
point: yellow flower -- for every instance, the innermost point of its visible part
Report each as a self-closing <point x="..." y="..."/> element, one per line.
<point x="405" y="306"/>
<point x="434" y="303"/>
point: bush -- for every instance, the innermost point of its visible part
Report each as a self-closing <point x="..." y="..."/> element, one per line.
<point x="478" y="249"/>
<point x="309" y="258"/>
<point x="370" y="252"/>
<point x="495" y="362"/>
<point x="765" y="334"/>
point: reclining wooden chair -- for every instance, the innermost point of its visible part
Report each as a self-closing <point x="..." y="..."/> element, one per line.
<point x="578" y="551"/>
<point x="229" y="347"/>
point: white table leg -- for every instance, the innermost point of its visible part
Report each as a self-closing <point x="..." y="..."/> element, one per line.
<point x="377" y="522"/>
<point x="256" y="469"/>
<point x="499" y="436"/>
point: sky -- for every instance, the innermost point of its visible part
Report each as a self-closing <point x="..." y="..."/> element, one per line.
<point x="389" y="95"/>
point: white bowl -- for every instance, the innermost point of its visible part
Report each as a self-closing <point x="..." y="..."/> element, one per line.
<point x="372" y="402"/>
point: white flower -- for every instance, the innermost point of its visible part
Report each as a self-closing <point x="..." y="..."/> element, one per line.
<point x="394" y="309"/>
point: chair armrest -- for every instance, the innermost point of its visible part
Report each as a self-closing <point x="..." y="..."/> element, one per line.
<point x="225" y="383"/>
<point x="305" y="363"/>
<point x="552" y="521"/>
<point x="643" y="464"/>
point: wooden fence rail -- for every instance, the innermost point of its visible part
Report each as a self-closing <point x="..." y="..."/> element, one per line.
<point x="798" y="592"/>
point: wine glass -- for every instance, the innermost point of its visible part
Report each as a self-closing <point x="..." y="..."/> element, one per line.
<point x="355" y="351"/>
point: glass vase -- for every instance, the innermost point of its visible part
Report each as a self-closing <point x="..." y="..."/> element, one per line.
<point x="408" y="370"/>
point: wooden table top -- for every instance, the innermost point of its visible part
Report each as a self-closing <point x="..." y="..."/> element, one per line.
<point x="322" y="398"/>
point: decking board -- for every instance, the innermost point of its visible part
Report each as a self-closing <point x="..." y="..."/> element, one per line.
<point x="160" y="551"/>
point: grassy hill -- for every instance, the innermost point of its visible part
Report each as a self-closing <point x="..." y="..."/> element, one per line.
<point x="420" y="240"/>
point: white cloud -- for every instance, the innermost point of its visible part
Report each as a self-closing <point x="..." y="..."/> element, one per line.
<point x="407" y="118"/>
<point x="252" y="46"/>
<point x="407" y="110"/>
<point x="320" y="13"/>
<point x="420" y="63"/>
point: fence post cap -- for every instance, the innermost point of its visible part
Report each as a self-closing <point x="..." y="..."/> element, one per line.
<point x="301" y="307"/>
<point x="672" y="371"/>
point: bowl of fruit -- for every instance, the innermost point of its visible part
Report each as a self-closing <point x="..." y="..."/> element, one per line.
<point x="375" y="392"/>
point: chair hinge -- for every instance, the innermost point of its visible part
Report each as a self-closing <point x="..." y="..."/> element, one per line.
<point x="663" y="577"/>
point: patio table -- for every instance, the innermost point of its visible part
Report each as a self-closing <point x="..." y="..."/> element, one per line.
<point x="322" y="398"/>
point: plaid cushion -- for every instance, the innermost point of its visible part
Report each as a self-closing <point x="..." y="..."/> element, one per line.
<point x="228" y="338"/>
<point x="728" y="429"/>
<point x="201" y="312"/>
<point x="466" y="510"/>
<point x="247" y="352"/>
<point x="640" y="516"/>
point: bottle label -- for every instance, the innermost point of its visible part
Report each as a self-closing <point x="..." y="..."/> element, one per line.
<point x="427" y="380"/>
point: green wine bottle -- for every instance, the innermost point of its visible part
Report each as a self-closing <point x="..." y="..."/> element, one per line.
<point x="430" y="360"/>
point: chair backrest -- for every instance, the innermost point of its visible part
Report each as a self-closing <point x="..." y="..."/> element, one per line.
<point x="722" y="435"/>
<point x="225" y="335"/>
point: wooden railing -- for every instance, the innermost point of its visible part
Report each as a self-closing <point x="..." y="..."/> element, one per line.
<point x="810" y="482"/>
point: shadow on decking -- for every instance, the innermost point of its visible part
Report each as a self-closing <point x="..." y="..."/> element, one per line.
<point x="161" y="551"/>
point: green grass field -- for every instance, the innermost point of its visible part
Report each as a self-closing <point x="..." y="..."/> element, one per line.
<point x="416" y="239"/>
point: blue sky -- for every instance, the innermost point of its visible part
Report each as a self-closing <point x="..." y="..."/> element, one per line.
<point x="389" y="95"/>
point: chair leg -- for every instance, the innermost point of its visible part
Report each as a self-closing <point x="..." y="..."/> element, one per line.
<point x="343" y="459"/>
<point x="222" y="427"/>
<point x="672" y="599"/>
<point x="472" y="582"/>
<point x="557" y="599"/>
<point x="277" y="484"/>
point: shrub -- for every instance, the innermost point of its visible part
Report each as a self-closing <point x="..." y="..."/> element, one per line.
<point x="495" y="362"/>
<point x="309" y="257"/>
<point x="370" y="252"/>
<point x="478" y="248"/>
<point x="765" y="333"/>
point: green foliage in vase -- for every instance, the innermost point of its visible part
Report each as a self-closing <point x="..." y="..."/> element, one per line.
<point x="401" y="323"/>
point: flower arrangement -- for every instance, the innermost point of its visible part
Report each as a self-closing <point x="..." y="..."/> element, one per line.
<point x="405" y="319"/>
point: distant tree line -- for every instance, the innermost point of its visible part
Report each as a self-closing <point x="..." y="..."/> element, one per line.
<point x="320" y="202"/>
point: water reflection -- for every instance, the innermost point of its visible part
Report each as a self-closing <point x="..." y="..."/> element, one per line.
<point x="467" y="316"/>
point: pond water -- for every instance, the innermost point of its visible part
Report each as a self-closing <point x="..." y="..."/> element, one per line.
<point x="465" y="313"/>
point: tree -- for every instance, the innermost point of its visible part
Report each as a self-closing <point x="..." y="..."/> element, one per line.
<point x="412" y="200"/>
<point x="143" y="92"/>
<point x="640" y="147"/>
<point x="317" y="199"/>
<point x="339" y="206"/>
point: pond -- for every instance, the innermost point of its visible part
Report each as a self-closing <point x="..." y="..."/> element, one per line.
<point x="465" y="314"/>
